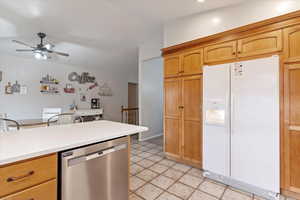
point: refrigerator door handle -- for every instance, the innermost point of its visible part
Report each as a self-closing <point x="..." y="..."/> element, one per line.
<point x="232" y="113"/>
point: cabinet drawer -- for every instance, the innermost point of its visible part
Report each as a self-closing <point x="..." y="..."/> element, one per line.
<point x="45" y="191"/>
<point x="19" y="176"/>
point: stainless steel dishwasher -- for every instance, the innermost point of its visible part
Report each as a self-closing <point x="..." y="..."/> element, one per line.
<point x="96" y="172"/>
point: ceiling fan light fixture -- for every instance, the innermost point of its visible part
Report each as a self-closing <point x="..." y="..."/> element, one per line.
<point x="41" y="51"/>
<point x="40" y="56"/>
<point x="49" y="46"/>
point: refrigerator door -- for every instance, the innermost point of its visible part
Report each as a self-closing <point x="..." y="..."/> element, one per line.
<point x="255" y="123"/>
<point x="216" y="127"/>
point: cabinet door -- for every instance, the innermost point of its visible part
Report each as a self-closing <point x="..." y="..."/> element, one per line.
<point x="172" y="66"/>
<point x="292" y="127"/>
<point x="260" y="44"/>
<point x="220" y="52"/>
<point x="291" y="44"/>
<point x="44" y="191"/>
<point x="172" y="116"/>
<point x="192" y="62"/>
<point x="192" y="119"/>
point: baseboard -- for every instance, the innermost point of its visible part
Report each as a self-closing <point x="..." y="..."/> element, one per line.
<point x="151" y="137"/>
<point x="290" y="194"/>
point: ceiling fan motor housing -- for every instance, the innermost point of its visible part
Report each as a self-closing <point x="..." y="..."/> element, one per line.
<point x="42" y="35"/>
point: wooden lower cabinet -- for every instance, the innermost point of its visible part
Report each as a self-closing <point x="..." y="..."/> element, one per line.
<point x="192" y="143"/>
<point x="172" y="137"/>
<point x="183" y="130"/>
<point x="31" y="179"/>
<point x="292" y="128"/>
<point x="45" y="191"/>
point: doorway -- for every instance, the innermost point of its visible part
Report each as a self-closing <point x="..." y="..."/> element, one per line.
<point x="132" y="109"/>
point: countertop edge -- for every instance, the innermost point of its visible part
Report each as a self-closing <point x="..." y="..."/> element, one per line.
<point x="71" y="146"/>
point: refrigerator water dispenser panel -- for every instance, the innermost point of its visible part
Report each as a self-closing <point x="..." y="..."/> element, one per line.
<point x="215" y="113"/>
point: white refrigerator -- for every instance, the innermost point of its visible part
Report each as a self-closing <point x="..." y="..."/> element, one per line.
<point x="241" y="125"/>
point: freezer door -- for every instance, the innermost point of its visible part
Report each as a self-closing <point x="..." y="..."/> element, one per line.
<point x="255" y="123"/>
<point x="216" y="115"/>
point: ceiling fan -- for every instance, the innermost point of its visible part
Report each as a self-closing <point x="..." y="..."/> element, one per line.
<point x="42" y="50"/>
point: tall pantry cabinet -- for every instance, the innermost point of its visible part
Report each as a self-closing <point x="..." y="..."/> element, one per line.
<point x="182" y="107"/>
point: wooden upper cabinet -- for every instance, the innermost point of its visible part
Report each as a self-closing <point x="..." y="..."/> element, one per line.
<point x="220" y="52"/>
<point x="291" y="44"/>
<point x="292" y="127"/>
<point x="172" y="66"/>
<point x="192" y="62"/>
<point x="260" y="44"/>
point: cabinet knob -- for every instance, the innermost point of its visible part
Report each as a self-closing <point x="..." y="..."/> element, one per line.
<point x="181" y="107"/>
<point x="233" y="53"/>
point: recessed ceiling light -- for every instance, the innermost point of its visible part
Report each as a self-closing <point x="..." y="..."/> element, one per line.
<point x="201" y="1"/>
<point x="216" y="20"/>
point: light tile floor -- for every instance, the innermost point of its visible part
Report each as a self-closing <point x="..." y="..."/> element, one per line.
<point x="153" y="177"/>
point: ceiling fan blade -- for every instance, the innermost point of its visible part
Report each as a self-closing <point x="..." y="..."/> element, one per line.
<point x="24" y="50"/>
<point x="59" y="53"/>
<point x="22" y="43"/>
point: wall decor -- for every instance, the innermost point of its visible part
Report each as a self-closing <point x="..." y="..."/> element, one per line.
<point x="8" y="88"/>
<point x="49" y="85"/>
<point x="23" y="90"/>
<point x="105" y="90"/>
<point x="82" y="95"/>
<point x="13" y="88"/>
<point x="93" y="86"/>
<point x="49" y="80"/>
<point x="16" y="87"/>
<point x="69" y="88"/>
<point x="81" y="79"/>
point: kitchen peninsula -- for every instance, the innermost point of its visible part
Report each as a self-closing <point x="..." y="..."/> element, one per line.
<point x="29" y="159"/>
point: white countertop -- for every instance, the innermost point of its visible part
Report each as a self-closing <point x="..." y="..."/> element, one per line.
<point x="29" y="143"/>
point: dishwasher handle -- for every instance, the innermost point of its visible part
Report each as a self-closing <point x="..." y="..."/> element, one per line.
<point x="100" y="154"/>
<point x="95" y="155"/>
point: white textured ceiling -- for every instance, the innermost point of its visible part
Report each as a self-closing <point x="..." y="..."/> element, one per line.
<point x="94" y="32"/>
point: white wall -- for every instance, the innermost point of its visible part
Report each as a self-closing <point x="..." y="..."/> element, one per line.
<point x="149" y="50"/>
<point x="151" y="101"/>
<point x="30" y="71"/>
<point x="219" y="20"/>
